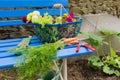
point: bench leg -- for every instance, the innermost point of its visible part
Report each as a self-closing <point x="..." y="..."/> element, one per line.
<point x="65" y="69"/>
<point x="58" y="70"/>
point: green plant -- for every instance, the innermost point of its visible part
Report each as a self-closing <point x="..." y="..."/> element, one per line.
<point x="109" y="63"/>
<point x="95" y="62"/>
<point x="38" y="60"/>
<point x="96" y="41"/>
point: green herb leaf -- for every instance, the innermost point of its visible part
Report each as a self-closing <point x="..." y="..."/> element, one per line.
<point x="94" y="58"/>
<point x="107" y="70"/>
<point x="112" y="52"/>
<point x="108" y="32"/>
<point x="38" y="61"/>
<point x="94" y="40"/>
<point x="95" y="62"/>
<point x="116" y="72"/>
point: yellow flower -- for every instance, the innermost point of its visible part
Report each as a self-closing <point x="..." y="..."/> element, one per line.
<point x="74" y="20"/>
<point x="65" y="15"/>
<point x="29" y="16"/>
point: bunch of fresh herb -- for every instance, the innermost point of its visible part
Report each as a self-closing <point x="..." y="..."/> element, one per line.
<point x="38" y="60"/>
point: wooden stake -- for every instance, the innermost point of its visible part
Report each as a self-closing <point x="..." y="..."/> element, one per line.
<point x="65" y="69"/>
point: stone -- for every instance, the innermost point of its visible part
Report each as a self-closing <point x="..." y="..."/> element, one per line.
<point x="95" y="6"/>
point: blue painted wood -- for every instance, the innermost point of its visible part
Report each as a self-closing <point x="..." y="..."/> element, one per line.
<point x="12" y="43"/>
<point x="30" y="3"/>
<point x="11" y="23"/>
<point x="71" y="52"/>
<point x="9" y="54"/>
<point x="10" y="58"/>
<point x="6" y="54"/>
<point x="10" y="47"/>
<point x="15" y="43"/>
<point x="21" y="13"/>
<point x="8" y="62"/>
<point x="16" y="40"/>
<point x="5" y="45"/>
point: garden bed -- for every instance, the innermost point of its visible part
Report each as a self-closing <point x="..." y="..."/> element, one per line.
<point x="79" y="70"/>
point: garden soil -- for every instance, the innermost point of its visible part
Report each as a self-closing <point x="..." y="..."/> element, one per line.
<point x="78" y="70"/>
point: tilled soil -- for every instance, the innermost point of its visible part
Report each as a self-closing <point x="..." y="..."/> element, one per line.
<point x="78" y="70"/>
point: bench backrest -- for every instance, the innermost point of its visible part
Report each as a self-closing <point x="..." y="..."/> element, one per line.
<point x="11" y="11"/>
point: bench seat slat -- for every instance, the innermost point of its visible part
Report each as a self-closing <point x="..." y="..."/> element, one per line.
<point x="12" y="43"/>
<point x="7" y="62"/>
<point x="21" y="13"/>
<point x="16" y="40"/>
<point x="9" y="59"/>
<point x="6" y="54"/>
<point x="3" y="49"/>
<point x="16" y="43"/>
<point x="11" y="23"/>
<point x="70" y="52"/>
<point x="30" y="3"/>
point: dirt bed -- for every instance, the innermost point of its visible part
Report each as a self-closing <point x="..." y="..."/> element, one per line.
<point x="79" y="70"/>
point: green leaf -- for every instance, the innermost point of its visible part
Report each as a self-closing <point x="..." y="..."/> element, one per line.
<point x="106" y="43"/>
<point x="118" y="36"/>
<point x="117" y="63"/>
<point x="116" y="72"/>
<point x="107" y="70"/>
<point x="108" y="32"/>
<point x="98" y="64"/>
<point x="49" y="75"/>
<point x="112" y="52"/>
<point x="94" y="40"/>
<point x="94" y="58"/>
<point x="95" y="62"/>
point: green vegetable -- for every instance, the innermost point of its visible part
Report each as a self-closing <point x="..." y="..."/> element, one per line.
<point x="95" y="62"/>
<point x="49" y="75"/>
<point x="109" y="63"/>
<point x="38" y="60"/>
<point x="58" y="20"/>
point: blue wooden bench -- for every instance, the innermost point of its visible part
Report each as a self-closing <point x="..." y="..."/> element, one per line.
<point x="19" y="9"/>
